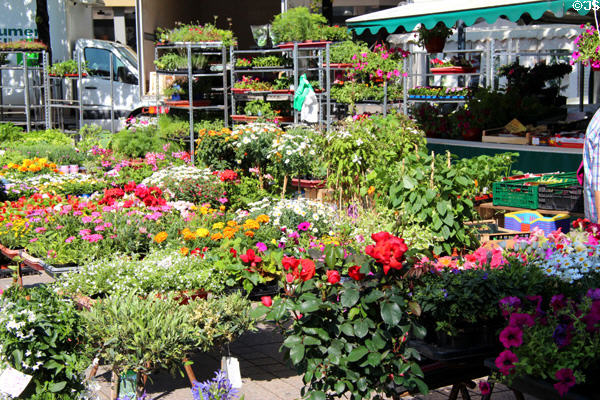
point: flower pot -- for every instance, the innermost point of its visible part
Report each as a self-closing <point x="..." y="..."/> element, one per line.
<point x="63" y="169"/>
<point x="73" y="169"/>
<point x="435" y="44"/>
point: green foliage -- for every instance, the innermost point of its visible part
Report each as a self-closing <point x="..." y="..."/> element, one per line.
<point x="68" y="67"/>
<point x="259" y="108"/>
<point x="268" y="61"/>
<point x="138" y="142"/>
<point x="196" y="33"/>
<point x="431" y="193"/>
<point x="221" y="320"/>
<point x="175" y="61"/>
<point x="348" y="339"/>
<point x="245" y="192"/>
<point x="457" y="300"/>
<point x="59" y="154"/>
<point x="141" y="334"/>
<point x="485" y="170"/>
<point x="342" y="52"/>
<point x="42" y="335"/>
<point x="93" y="135"/>
<point x="296" y="25"/>
<point x="439" y="30"/>
<point x="366" y="146"/>
<point x="214" y="147"/>
<point x="10" y="133"/>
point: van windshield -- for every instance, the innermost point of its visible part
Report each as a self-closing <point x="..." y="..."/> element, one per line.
<point x="128" y="54"/>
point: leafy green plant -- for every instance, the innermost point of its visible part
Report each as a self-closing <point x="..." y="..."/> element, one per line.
<point x="138" y="142"/>
<point x="343" y="52"/>
<point x="345" y="323"/>
<point x="259" y="108"/>
<point x="196" y="33"/>
<point x="431" y="193"/>
<point x="141" y="334"/>
<point x="296" y="25"/>
<point x="43" y="335"/>
<point x="268" y="61"/>
<point x="10" y="133"/>
<point x="68" y="67"/>
<point x="439" y="30"/>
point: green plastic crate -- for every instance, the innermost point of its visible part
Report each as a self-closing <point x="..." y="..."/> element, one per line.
<point x="517" y="194"/>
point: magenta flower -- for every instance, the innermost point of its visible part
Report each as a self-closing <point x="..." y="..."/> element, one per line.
<point x="558" y="302"/>
<point x="223" y="200"/>
<point x="509" y="304"/>
<point x="69" y="239"/>
<point x="593" y="294"/>
<point x="511" y="336"/>
<point x="261" y="246"/>
<point x="84" y="232"/>
<point x="505" y="362"/>
<point x="94" y="238"/>
<point x="33" y="240"/>
<point x="99" y="228"/>
<point x="86" y="219"/>
<point x="484" y="388"/>
<point x="519" y="320"/>
<point x="304" y="226"/>
<point x="40" y="229"/>
<point x="566" y="380"/>
<point x="59" y="226"/>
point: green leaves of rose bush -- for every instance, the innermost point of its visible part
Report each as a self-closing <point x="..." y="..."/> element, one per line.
<point x="349" y="338"/>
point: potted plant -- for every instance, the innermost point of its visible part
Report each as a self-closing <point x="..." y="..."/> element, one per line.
<point x="452" y="65"/>
<point x="298" y="24"/>
<point x="433" y="39"/>
<point x="67" y="68"/>
<point x="587" y="47"/>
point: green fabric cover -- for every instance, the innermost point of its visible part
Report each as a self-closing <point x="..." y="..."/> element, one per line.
<point x="469" y="17"/>
<point x="303" y="90"/>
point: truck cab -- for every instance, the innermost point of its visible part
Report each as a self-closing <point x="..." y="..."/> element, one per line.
<point x="98" y="94"/>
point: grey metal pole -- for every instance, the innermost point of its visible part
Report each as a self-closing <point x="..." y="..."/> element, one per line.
<point x="405" y="84"/>
<point x="224" y="72"/>
<point x="320" y="97"/>
<point x="26" y="78"/>
<point x="295" y="57"/>
<point x="46" y="79"/>
<point x="79" y="92"/>
<point x="328" y="85"/>
<point x="232" y="78"/>
<point x="139" y="37"/>
<point x="157" y="80"/>
<point x="191" y="101"/>
<point x="112" y="94"/>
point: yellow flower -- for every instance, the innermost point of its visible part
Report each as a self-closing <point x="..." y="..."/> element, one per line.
<point x="262" y="219"/>
<point x="202" y="232"/>
<point x="229" y="232"/>
<point x="160" y="237"/>
<point x="188" y="235"/>
<point x="371" y="190"/>
<point x="222" y="208"/>
<point x="27" y="162"/>
<point x="250" y="224"/>
<point x="218" y="225"/>
<point x="204" y="210"/>
<point x="249" y="233"/>
<point x="217" y="236"/>
<point x="231" y="223"/>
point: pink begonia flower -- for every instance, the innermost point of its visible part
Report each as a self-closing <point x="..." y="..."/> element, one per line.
<point x="69" y="239"/>
<point x="84" y="232"/>
<point x="59" y="226"/>
<point x="33" y="240"/>
<point x="99" y="228"/>
<point x="93" y="238"/>
<point x="40" y="229"/>
<point x="86" y="219"/>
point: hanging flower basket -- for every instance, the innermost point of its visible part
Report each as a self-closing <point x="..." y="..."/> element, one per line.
<point x="435" y="44"/>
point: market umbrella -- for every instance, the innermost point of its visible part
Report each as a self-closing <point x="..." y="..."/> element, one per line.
<point x="429" y="13"/>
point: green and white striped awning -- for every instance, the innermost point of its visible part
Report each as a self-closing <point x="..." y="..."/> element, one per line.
<point x="429" y="13"/>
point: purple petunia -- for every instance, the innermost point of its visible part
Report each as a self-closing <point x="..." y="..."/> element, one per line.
<point x="304" y="226"/>
<point x="566" y="380"/>
<point x="511" y="336"/>
<point x="506" y="362"/>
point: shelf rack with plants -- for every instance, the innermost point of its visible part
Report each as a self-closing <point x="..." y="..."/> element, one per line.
<point x="25" y="93"/>
<point x="309" y="58"/>
<point x="191" y="64"/>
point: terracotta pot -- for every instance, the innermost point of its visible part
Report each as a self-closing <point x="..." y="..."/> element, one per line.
<point x="435" y="44"/>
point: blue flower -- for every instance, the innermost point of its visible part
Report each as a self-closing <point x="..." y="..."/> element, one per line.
<point x="219" y="388"/>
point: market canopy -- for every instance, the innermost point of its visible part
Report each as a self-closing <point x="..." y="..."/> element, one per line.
<point x="430" y="12"/>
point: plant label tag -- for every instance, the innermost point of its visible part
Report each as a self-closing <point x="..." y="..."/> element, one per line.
<point x="127" y="384"/>
<point x="13" y="382"/>
<point x="231" y="366"/>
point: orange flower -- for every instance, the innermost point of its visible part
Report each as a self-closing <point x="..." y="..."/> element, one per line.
<point x="231" y="223"/>
<point x="249" y="234"/>
<point x="188" y="235"/>
<point x="229" y="232"/>
<point x="217" y="236"/>
<point x="251" y="224"/>
<point x="160" y="237"/>
<point x="222" y="208"/>
<point x="371" y="190"/>
<point x="262" y="219"/>
<point x="184" y="251"/>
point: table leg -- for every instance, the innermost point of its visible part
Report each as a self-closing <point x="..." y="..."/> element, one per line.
<point x="189" y="371"/>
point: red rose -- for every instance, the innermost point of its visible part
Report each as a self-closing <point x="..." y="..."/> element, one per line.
<point x="233" y="252"/>
<point x="388" y="250"/>
<point x="380" y="237"/>
<point x="267" y="301"/>
<point x="333" y="277"/>
<point x="290" y="262"/>
<point x="354" y="273"/>
<point x="308" y="269"/>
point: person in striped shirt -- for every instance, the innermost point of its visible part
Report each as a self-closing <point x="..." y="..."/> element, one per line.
<point x="591" y="167"/>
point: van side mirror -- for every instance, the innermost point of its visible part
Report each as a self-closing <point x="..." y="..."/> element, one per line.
<point x="126" y="76"/>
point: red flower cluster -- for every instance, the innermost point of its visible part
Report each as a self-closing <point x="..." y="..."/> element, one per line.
<point x="354" y="273"/>
<point x="228" y="175"/>
<point x="388" y="250"/>
<point x="151" y="196"/>
<point x="305" y="272"/>
<point x="250" y="258"/>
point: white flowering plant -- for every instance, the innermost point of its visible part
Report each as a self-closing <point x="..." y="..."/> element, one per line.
<point x="573" y="257"/>
<point x="41" y="334"/>
<point x="67" y="184"/>
<point x="162" y="270"/>
<point x="294" y="151"/>
<point x="253" y="144"/>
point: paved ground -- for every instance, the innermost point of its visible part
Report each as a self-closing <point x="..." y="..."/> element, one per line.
<point x="265" y="375"/>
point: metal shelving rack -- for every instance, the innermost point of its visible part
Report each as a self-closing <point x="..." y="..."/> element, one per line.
<point x="485" y="75"/>
<point x="206" y="49"/>
<point x="300" y="54"/>
<point x="63" y="98"/>
<point x="35" y="84"/>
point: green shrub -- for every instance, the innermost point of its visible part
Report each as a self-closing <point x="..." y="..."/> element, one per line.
<point x="138" y="142"/>
<point x="296" y="24"/>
